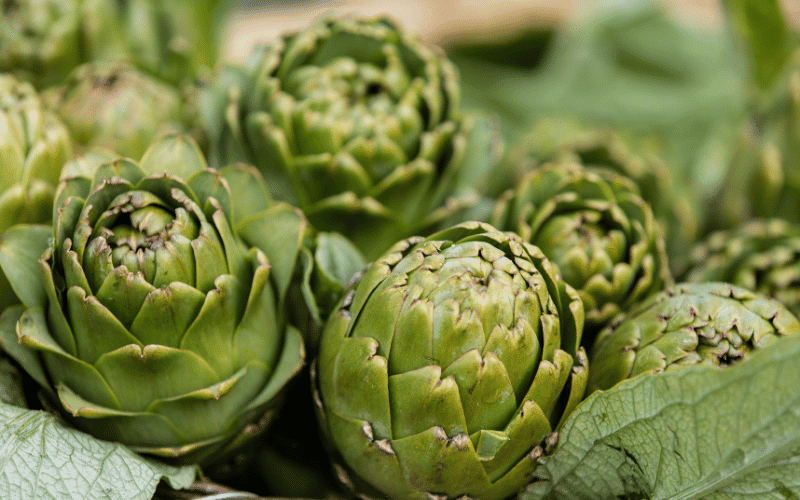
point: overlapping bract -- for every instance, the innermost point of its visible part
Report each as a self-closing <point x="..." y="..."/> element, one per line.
<point x="151" y="316"/>
<point x="761" y="255"/>
<point x="597" y="228"/>
<point x="712" y="323"/>
<point x="34" y="144"/>
<point x="117" y="107"/>
<point x="357" y="122"/>
<point x="447" y="364"/>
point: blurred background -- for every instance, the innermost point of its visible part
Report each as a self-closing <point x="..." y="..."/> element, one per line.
<point x="445" y="22"/>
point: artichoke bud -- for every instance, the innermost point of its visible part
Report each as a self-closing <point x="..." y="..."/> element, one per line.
<point x="710" y="323"/>
<point x="118" y="107"/>
<point x="447" y="362"/>
<point x="594" y="225"/>
<point x="357" y="122"/>
<point x="556" y="139"/>
<point x="42" y="40"/>
<point x="164" y="327"/>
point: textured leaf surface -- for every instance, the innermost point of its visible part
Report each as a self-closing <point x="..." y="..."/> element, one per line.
<point x="41" y="458"/>
<point x="686" y="434"/>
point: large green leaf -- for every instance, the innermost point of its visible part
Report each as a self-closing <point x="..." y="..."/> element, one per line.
<point x="43" y="459"/>
<point x="760" y="26"/>
<point x="692" y="433"/>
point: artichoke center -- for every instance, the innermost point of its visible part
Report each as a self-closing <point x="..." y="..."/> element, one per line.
<point x="582" y="245"/>
<point x="147" y="238"/>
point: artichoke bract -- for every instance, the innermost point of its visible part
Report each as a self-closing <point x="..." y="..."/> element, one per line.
<point x="358" y="123"/>
<point x="34" y="145"/>
<point x="113" y="105"/>
<point x="43" y="40"/>
<point x="599" y="231"/>
<point x="152" y="315"/>
<point x="446" y="365"/>
<point x="711" y="323"/>
<point x="761" y="255"/>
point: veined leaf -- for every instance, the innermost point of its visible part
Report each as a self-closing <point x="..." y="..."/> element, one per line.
<point x="692" y="433"/>
<point x="42" y="458"/>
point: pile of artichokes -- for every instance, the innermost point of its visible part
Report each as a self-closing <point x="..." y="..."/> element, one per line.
<point x="323" y="273"/>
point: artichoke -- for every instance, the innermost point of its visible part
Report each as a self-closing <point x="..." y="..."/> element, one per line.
<point x="554" y="138"/>
<point x="447" y="363"/>
<point x="150" y="313"/>
<point x="599" y="231"/>
<point x="43" y="40"/>
<point x="34" y="144"/>
<point x="358" y="123"/>
<point x="711" y="323"/>
<point x="761" y="255"/>
<point x="117" y="107"/>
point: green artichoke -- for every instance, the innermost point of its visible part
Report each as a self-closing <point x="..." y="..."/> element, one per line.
<point x="152" y="311"/>
<point x="761" y="255"/>
<point x="117" y="107"/>
<point x="34" y="144"/>
<point x="358" y="123"/>
<point x="555" y="138"/>
<point x="711" y="323"/>
<point x="447" y="363"/>
<point x="599" y="231"/>
<point x="43" y="40"/>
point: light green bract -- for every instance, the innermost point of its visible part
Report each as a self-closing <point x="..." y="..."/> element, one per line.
<point x="358" y="123"/>
<point x="151" y="316"/>
<point x="711" y="323"/>
<point x="599" y="231"/>
<point x="34" y="144"/>
<point x="447" y="364"/>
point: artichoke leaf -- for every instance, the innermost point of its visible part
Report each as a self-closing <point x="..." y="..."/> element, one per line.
<point x="649" y="436"/>
<point x="96" y="469"/>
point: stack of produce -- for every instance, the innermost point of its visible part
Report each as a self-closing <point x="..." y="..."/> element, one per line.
<point x="299" y="277"/>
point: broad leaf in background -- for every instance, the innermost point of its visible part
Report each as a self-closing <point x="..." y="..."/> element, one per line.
<point x="761" y="28"/>
<point x="694" y="433"/>
<point x="44" y="459"/>
<point x="632" y="65"/>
